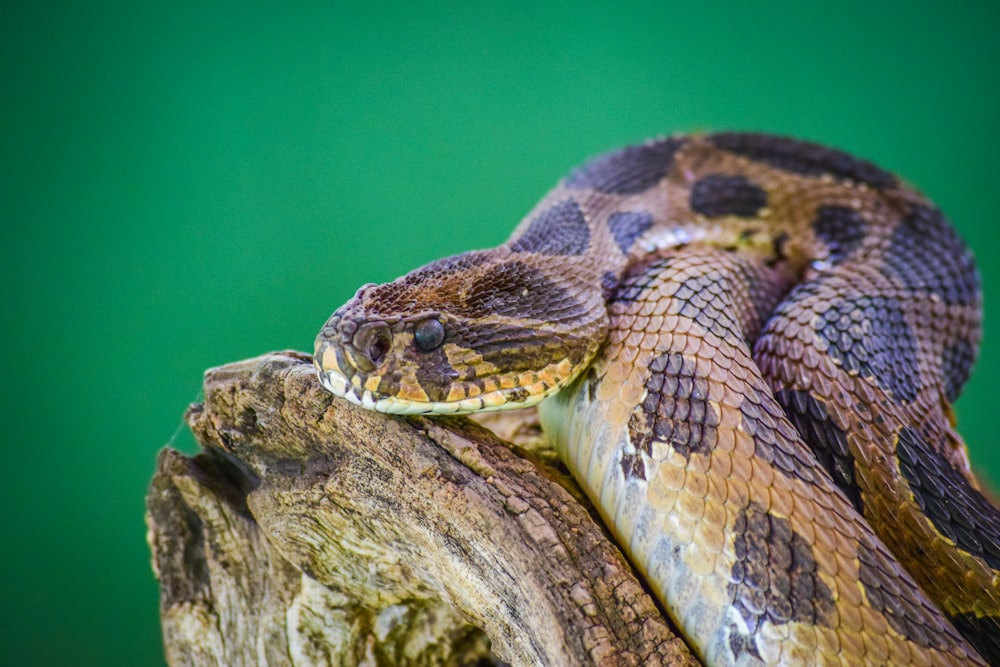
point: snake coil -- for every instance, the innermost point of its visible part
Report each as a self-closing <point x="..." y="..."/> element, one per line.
<point x="751" y="344"/>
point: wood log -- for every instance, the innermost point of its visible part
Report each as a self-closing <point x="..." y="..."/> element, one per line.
<point x="310" y="532"/>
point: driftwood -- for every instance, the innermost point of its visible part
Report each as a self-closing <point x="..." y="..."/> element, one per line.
<point x="311" y="532"/>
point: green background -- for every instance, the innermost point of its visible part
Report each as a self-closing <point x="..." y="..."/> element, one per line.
<point x="187" y="184"/>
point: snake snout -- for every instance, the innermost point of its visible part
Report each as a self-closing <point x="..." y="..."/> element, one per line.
<point x="346" y="345"/>
<point x="331" y="342"/>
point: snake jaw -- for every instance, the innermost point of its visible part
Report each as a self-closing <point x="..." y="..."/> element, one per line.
<point x="337" y="384"/>
<point x="327" y="360"/>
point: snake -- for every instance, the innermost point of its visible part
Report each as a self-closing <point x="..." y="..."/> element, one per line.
<point x="749" y="346"/>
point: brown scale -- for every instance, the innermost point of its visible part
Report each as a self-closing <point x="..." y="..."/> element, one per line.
<point x="907" y="467"/>
<point x="712" y="449"/>
<point x="766" y="555"/>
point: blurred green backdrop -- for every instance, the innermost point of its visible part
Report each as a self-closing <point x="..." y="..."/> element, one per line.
<point x="186" y="184"/>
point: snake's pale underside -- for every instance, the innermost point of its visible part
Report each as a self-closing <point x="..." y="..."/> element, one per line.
<point x="749" y="347"/>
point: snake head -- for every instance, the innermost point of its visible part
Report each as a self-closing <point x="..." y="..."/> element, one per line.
<point x="477" y="331"/>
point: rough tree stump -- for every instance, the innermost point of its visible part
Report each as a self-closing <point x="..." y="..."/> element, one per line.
<point x="311" y="532"/>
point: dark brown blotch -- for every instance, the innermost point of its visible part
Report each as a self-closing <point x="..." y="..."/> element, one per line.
<point x="676" y="408"/>
<point x="802" y="157"/>
<point x="705" y="299"/>
<point x="628" y="171"/>
<point x="983" y="632"/>
<point x="633" y="466"/>
<point x="558" y="230"/>
<point x="434" y="375"/>
<point x="626" y="227"/>
<point x="716" y="195"/>
<point x="775" y="440"/>
<point x="956" y="365"/>
<point x="925" y="253"/>
<point x="827" y="441"/>
<point x="895" y="598"/>
<point x="609" y="283"/>
<point x="957" y="510"/>
<point x="869" y="335"/>
<point x="840" y="229"/>
<point x="774" y="577"/>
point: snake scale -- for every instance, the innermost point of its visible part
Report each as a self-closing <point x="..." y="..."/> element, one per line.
<point x="751" y="345"/>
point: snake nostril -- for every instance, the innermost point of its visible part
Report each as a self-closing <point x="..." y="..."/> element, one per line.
<point x="372" y="341"/>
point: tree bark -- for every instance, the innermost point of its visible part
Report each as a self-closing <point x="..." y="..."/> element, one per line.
<point x="310" y="532"/>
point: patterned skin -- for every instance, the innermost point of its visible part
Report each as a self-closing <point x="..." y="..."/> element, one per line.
<point x="752" y="344"/>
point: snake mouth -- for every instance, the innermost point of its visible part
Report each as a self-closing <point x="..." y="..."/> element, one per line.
<point x="351" y="389"/>
<point x="339" y="385"/>
<point x="336" y="382"/>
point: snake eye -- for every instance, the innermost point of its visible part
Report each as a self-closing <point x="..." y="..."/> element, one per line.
<point x="373" y="342"/>
<point x="429" y="334"/>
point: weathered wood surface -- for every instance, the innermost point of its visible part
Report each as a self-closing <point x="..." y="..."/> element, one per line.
<point x="308" y="531"/>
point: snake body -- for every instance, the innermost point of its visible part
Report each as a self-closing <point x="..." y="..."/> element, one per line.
<point x="752" y="344"/>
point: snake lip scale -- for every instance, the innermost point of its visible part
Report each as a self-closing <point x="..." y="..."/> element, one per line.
<point x="336" y="383"/>
<point x="749" y="346"/>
